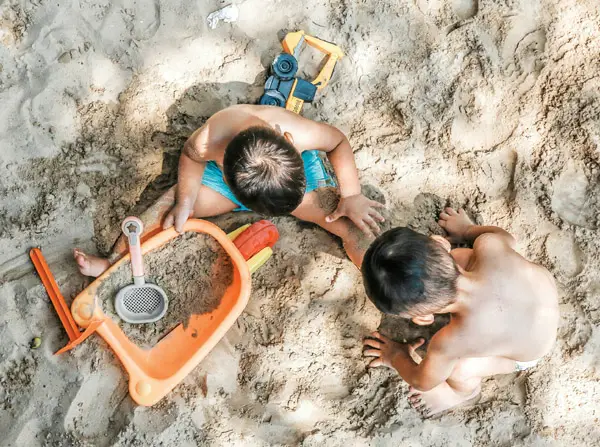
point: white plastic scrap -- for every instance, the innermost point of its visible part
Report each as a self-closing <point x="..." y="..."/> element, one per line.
<point x="227" y="14"/>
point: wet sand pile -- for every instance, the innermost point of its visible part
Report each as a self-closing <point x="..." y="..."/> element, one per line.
<point x="193" y="270"/>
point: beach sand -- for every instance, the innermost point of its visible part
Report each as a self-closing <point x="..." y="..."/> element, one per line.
<point x="493" y="106"/>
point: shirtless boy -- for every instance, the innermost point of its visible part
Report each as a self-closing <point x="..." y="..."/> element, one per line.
<point x="261" y="158"/>
<point x="503" y="308"/>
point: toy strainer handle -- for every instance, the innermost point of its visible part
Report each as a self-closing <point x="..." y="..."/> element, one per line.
<point x="132" y="229"/>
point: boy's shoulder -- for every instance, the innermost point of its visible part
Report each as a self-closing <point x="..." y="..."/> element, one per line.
<point x="491" y="241"/>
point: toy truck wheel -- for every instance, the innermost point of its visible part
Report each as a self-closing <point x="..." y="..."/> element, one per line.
<point x="285" y="66"/>
<point x="272" y="98"/>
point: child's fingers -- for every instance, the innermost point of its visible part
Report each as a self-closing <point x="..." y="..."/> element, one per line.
<point x="371" y="222"/>
<point x="376" y="335"/>
<point x="376" y="204"/>
<point x="179" y="221"/>
<point x="418" y="343"/>
<point x="375" y="215"/>
<point x="444" y="216"/>
<point x="412" y="391"/>
<point x="376" y="362"/>
<point x="363" y="227"/>
<point x="334" y="216"/>
<point x="168" y="223"/>
<point x="451" y="211"/>
<point x="372" y="353"/>
<point x="442" y="223"/>
<point x="373" y="343"/>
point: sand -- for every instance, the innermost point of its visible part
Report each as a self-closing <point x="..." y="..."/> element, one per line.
<point x="489" y="105"/>
<point x="193" y="270"/>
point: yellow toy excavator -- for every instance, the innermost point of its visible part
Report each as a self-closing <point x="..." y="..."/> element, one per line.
<point x="282" y="88"/>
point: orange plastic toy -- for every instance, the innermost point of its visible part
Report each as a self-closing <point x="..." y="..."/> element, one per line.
<point x="60" y="305"/>
<point x="155" y="372"/>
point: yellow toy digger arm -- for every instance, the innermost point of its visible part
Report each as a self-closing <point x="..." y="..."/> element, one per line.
<point x="293" y="42"/>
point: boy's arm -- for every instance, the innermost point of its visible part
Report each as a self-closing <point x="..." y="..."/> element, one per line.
<point x="461" y="229"/>
<point x="191" y="168"/>
<point x="431" y="371"/>
<point x="308" y="135"/>
<point x="206" y="144"/>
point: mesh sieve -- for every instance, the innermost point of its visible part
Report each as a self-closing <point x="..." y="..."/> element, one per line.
<point x="142" y="300"/>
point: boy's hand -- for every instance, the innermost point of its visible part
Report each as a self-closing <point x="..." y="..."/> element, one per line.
<point x="361" y="211"/>
<point x="455" y="223"/>
<point x="178" y="215"/>
<point x="385" y="351"/>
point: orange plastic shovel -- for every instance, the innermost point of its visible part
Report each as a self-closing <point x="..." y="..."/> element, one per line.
<point x="75" y="336"/>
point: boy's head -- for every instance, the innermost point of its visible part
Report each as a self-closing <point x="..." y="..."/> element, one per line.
<point x="409" y="274"/>
<point x="265" y="171"/>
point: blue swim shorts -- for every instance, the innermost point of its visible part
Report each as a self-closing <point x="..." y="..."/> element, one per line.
<point x="314" y="169"/>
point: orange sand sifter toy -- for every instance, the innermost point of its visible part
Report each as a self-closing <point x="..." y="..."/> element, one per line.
<point x="156" y="371"/>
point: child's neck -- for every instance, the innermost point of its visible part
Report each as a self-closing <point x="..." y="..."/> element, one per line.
<point x="464" y="289"/>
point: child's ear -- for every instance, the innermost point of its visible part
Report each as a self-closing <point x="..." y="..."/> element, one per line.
<point x="442" y="241"/>
<point x="288" y="136"/>
<point x="424" y="320"/>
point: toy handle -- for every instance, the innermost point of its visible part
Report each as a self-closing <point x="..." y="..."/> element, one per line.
<point x="132" y="229"/>
<point x="255" y="238"/>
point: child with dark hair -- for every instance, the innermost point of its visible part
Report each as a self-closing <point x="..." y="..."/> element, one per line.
<point x="264" y="159"/>
<point x="503" y="309"/>
<point x="264" y="171"/>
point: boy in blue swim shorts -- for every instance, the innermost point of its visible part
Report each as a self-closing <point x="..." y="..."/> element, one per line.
<point x="265" y="159"/>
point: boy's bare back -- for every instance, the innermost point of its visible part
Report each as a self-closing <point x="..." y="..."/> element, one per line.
<point x="512" y="308"/>
<point x="209" y="141"/>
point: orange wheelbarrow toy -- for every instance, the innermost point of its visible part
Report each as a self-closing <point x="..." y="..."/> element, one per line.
<point x="156" y="371"/>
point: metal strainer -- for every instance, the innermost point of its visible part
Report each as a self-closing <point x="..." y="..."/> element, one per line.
<point x="139" y="302"/>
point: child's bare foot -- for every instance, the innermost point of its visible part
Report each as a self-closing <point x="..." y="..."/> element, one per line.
<point x="385" y="350"/>
<point x="455" y="223"/>
<point x="90" y="265"/>
<point x="439" y="399"/>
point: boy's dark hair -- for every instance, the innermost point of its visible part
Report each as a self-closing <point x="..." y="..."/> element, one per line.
<point x="264" y="171"/>
<point x="405" y="272"/>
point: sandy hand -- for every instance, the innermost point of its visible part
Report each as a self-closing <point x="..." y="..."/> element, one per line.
<point x="455" y="223"/>
<point x="385" y="350"/>
<point x="178" y="216"/>
<point x="361" y="211"/>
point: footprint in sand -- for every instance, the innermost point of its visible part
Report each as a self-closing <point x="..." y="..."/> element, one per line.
<point x="51" y="119"/>
<point x="575" y="329"/>
<point x="141" y="19"/>
<point x="524" y="45"/>
<point x="91" y="410"/>
<point x="465" y="9"/>
<point x="155" y="420"/>
<point x="448" y="14"/>
<point x="480" y="107"/>
<point x="566" y="255"/>
<point x="572" y="199"/>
